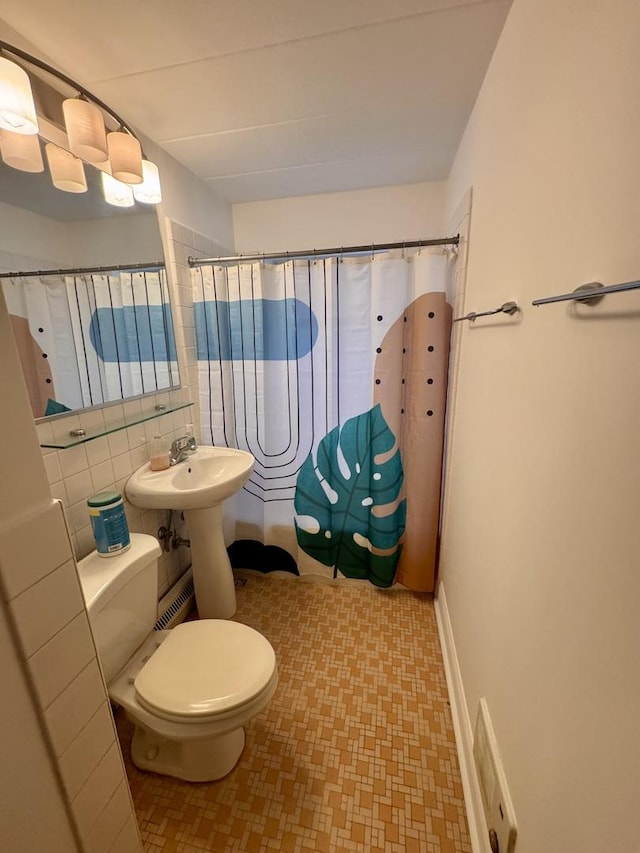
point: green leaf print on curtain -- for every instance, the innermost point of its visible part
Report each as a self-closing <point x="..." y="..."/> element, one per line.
<point x="336" y="496"/>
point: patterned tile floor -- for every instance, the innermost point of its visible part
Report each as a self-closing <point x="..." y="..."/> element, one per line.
<point x="354" y="752"/>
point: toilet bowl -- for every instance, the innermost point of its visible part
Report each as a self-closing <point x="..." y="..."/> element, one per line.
<point x="189" y="691"/>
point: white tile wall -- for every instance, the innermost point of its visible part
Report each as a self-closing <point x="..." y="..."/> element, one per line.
<point x="78" y="485"/>
<point x="112" y="820"/>
<point x="32" y="549"/>
<point x="36" y="618"/>
<point x="86" y="751"/>
<point x="97" y="452"/>
<point x="55" y="665"/>
<point x="128" y="839"/>
<point x="68" y="714"/>
<point x="94" y="797"/>
<point x="108" y="463"/>
<point x="41" y="587"/>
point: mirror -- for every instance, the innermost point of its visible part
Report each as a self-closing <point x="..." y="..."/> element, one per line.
<point x="84" y="339"/>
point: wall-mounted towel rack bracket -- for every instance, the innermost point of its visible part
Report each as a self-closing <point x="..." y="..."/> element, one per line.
<point x="505" y="308"/>
<point x="589" y="297"/>
<point x="589" y="294"/>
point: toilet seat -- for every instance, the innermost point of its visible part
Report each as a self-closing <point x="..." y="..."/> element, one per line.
<point x="206" y="669"/>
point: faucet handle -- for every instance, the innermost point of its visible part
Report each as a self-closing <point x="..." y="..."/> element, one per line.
<point x="192" y="439"/>
<point x="182" y="446"/>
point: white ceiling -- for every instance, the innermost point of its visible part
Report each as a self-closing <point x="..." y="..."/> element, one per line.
<point x="272" y="98"/>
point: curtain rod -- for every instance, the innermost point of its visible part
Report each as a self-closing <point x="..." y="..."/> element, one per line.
<point x="153" y="265"/>
<point x="314" y="253"/>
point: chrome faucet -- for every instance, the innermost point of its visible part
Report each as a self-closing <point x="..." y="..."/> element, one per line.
<point x="182" y="448"/>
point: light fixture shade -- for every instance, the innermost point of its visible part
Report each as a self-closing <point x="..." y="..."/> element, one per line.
<point x="125" y="155"/>
<point x="21" y="151"/>
<point x="67" y="172"/>
<point x="17" y="109"/>
<point x="149" y="190"/>
<point x="85" y="130"/>
<point x="115" y="192"/>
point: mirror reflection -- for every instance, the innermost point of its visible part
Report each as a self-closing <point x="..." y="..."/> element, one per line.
<point x="85" y="337"/>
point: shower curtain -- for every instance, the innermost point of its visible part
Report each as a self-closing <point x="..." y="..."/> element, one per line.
<point x="89" y="339"/>
<point x="333" y="373"/>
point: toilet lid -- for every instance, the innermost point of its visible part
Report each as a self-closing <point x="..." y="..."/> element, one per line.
<point x="206" y="667"/>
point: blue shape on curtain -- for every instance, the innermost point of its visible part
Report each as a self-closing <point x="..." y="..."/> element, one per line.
<point x="133" y="333"/>
<point x="254" y="329"/>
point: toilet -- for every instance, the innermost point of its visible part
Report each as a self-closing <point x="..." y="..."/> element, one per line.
<point x="189" y="690"/>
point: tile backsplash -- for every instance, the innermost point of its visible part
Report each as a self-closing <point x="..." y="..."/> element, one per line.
<point x="106" y="463"/>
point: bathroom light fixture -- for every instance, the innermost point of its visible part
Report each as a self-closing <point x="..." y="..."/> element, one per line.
<point x="116" y="192"/>
<point x="85" y="129"/>
<point x="148" y="191"/>
<point x="21" y="151"/>
<point x="17" y="109"/>
<point x="125" y="156"/>
<point x="67" y="171"/>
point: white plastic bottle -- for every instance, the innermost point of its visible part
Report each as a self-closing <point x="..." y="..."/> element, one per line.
<point x="159" y="456"/>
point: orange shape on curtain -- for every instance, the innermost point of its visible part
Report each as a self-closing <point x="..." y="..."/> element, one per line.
<point x="412" y="366"/>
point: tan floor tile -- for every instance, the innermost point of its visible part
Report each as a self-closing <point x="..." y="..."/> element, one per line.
<point x="354" y="752"/>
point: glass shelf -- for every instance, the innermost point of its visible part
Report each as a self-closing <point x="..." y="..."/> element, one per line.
<point x="72" y="438"/>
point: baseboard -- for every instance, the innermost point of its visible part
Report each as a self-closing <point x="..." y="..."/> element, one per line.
<point x="462" y="728"/>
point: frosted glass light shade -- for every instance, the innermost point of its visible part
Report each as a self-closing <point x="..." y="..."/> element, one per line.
<point x="149" y="190"/>
<point x="115" y="192"/>
<point x="85" y="130"/>
<point x="17" y="109"/>
<point x="67" y="172"/>
<point x="21" y="151"/>
<point x="125" y="156"/>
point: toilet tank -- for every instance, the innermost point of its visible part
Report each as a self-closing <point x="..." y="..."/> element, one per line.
<point x="121" y="596"/>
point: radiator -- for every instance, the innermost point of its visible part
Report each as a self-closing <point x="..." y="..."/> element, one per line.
<point x="176" y="604"/>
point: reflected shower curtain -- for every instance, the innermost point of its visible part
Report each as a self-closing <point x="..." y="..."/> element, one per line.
<point x="90" y="339"/>
<point x="332" y="372"/>
<point x="123" y="330"/>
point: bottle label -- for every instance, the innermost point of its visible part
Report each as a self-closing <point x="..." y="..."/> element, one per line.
<point x="110" y="529"/>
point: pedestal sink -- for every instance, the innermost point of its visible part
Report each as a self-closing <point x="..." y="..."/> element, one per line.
<point x="198" y="486"/>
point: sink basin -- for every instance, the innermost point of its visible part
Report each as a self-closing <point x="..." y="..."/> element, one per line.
<point x="198" y="486"/>
<point x="204" y="479"/>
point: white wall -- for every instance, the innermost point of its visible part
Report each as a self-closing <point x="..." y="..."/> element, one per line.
<point x="29" y="241"/>
<point x="115" y="240"/>
<point x="188" y="200"/>
<point x="360" y="217"/>
<point x="541" y="538"/>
